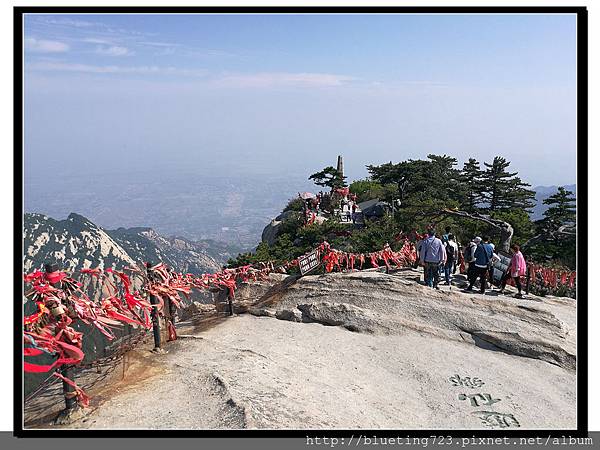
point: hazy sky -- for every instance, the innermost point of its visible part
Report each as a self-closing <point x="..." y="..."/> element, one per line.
<point x="280" y="93"/>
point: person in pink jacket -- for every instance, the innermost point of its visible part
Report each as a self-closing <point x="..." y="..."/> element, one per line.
<point x="516" y="269"/>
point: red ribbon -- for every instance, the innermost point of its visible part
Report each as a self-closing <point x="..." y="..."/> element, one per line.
<point x="82" y="397"/>
<point x="54" y="277"/>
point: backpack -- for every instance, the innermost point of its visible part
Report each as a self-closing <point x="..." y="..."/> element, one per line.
<point x="450" y="256"/>
<point x="467" y="253"/>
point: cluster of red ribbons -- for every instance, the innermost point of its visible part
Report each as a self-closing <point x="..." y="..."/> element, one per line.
<point x="343" y="191"/>
<point x="60" y="300"/>
<point x="553" y="278"/>
<point x="333" y="258"/>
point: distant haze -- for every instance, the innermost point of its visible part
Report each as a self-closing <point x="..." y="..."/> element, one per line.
<point x="161" y="97"/>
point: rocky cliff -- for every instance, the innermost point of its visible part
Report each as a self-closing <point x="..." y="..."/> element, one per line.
<point x="73" y="243"/>
<point x="76" y="243"/>
<point x="145" y="244"/>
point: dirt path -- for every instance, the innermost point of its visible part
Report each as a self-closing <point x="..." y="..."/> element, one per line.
<point x="173" y="396"/>
<point x="260" y="372"/>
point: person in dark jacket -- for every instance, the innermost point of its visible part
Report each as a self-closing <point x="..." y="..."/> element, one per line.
<point x="483" y="256"/>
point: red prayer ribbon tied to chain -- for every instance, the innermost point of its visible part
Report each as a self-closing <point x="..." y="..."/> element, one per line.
<point x="61" y="299"/>
<point x="553" y="278"/>
<point x="333" y="258"/>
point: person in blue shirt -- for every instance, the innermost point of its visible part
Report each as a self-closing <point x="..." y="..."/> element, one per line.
<point x="483" y="257"/>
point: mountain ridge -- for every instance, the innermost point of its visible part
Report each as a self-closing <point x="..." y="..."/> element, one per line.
<point x="542" y="193"/>
<point x="76" y="242"/>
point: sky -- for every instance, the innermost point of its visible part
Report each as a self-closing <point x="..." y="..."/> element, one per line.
<point x="287" y="93"/>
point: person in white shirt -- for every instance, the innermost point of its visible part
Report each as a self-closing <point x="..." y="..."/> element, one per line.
<point x="451" y="258"/>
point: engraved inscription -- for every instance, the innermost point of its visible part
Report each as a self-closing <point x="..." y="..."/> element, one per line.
<point x="472" y="383"/>
<point x="497" y="420"/>
<point x="491" y="419"/>
<point x="479" y="399"/>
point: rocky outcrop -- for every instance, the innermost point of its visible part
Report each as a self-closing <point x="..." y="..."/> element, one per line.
<point x="375" y="302"/>
<point x="195" y="309"/>
<point x="348" y="316"/>
<point x="272" y="230"/>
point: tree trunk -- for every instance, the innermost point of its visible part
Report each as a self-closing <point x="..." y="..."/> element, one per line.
<point x="506" y="234"/>
<point x="564" y="232"/>
<point x="505" y="228"/>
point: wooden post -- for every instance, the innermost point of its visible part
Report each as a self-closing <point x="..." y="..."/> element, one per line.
<point x="65" y="370"/>
<point x="155" y="318"/>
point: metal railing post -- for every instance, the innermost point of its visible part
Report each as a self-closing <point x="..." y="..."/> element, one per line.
<point x="172" y="308"/>
<point x="155" y="318"/>
<point x="230" y="300"/>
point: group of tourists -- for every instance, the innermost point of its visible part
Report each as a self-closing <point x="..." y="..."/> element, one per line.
<point x="442" y="255"/>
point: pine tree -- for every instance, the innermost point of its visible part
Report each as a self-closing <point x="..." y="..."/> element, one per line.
<point x="503" y="190"/>
<point x="553" y="245"/>
<point x="329" y="177"/>
<point x="391" y="174"/>
<point x="417" y="181"/>
<point x="470" y="180"/>
<point x="562" y="210"/>
<point x="444" y="178"/>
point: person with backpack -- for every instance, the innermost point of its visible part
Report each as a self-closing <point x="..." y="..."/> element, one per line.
<point x="446" y="235"/>
<point x="418" y="245"/>
<point x="483" y="256"/>
<point x="516" y="269"/>
<point x="444" y="239"/>
<point x="460" y="265"/>
<point x="451" y="258"/>
<point x="432" y="254"/>
<point x="469" y="257"/>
